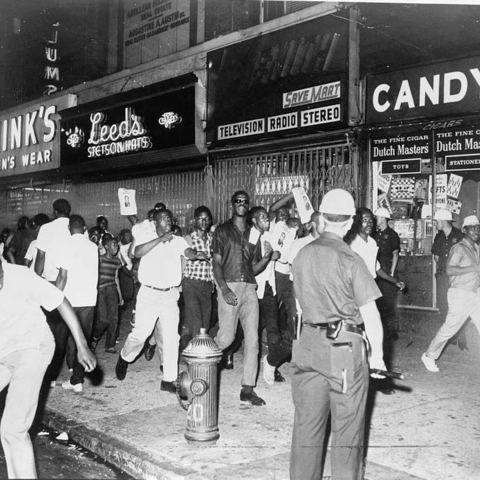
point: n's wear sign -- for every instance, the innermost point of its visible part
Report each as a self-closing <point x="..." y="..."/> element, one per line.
<point x="430" y="91"/>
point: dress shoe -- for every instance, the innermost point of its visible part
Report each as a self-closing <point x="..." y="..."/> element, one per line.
<point x="121" y="368"/>
<point x="387" y="391"/>
<point x="251" y="398"/>
<point x="279" y="377"/>
<point x="169" y="387"/>
<point x="149" y="351"/>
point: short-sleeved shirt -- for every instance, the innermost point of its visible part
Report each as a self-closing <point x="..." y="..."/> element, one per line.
<point x="79" y="256"/>
<point x="332" y="282"/>
<point x="388" y="241"/>
<point x="50" y="238"/>
<point x="464" y="254"/>
<point x="368" y="250"/>
<point x="268" y="273"/>
<point x="236" y="251"/>
<point x="199" y="269"/>
<point x="22" y="322"/>
<point x="161" y="267"/>
<point x="442" y="245"/>
<point x="107" y="271"/>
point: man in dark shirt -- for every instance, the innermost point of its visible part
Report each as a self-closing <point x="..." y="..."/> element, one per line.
<point x="233" y="270"/>
<point x="336" y="294"/>
<point x="445" y="239"/>
<point x="388" y="243"/>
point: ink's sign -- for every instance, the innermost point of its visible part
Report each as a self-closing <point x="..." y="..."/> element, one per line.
<point x="29" y="137"/>
<point x="431" y="91"/>
<point x="156" y="123"/>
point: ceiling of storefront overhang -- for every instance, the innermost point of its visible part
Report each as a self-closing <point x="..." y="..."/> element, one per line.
<point x="394" y="36"/>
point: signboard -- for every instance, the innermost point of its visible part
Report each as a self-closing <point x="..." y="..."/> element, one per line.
<point x="293" y="79"/>
<point x="429" y="91"/>
<point x="29" y="136"/>
<point x="402" y="166"/>
<point x="155" y="28"/>
<point x="156" y="123"/>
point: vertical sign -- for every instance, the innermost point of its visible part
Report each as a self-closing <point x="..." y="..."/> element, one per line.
<point x="52" y="71"/>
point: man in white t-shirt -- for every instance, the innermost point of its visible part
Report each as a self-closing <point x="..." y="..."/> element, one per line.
<point x="51" y="237"/>
<point x="77" y="261"/>
<point x="26" y="348"/>
<point x="160" y="275"/>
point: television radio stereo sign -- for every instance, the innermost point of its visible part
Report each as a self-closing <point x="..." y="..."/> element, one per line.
<point x="298" y="119"/>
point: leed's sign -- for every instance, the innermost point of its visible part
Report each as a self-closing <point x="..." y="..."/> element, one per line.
<point x="156" y="123"/>
<point x="29" y="137"/>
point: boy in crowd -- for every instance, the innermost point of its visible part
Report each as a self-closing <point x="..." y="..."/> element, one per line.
<point x="109" y="296"/>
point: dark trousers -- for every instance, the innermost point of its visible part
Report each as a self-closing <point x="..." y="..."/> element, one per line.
<point x="61" y="333"/>
<point x="328" y="379"/>
<point x="279" y="350"/>
<point x="387" y="306"/>
<point x="107" y="315"/>
<point x="286" y="299"/>
<point x="197" y="299"/>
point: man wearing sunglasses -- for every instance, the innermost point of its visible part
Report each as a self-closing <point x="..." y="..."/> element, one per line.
<point x="233" y="255"/>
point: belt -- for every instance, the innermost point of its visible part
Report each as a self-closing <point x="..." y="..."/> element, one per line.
<point x="346" y="327"/>
<point x="158" y="289"/>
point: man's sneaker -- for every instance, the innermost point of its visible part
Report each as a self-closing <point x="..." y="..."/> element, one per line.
<point x="121" y="368"/>
<point x="78" y="387"/>
<point x="268" y="372"/>
<point x="251" y="398"/>
<point x="169" y="387"/>
<point x="429" y="363"/>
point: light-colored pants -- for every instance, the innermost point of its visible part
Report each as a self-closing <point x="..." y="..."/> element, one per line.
<point x="461" y="305"/>
<point x="246" y="311"/>
<point x="23" y="372"/>
<point x="153" y="304"/>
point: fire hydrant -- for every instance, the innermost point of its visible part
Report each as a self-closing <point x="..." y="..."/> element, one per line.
<point x="197" y="389"/>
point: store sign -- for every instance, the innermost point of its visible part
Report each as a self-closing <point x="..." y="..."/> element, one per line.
<point x="155" y="28"/>
<point x="319" y="93"/>
<point x="402" y="166"/>
<point x="29" y="137"/>
<point x="242" y="129"/>
<point x="442" y="89"/>
<point x="156" y="123"/>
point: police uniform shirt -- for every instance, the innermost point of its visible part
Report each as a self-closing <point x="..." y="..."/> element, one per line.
<point x="442" y="245"/>
<point x="388" y="241"/>
<point x="331" y="281"/>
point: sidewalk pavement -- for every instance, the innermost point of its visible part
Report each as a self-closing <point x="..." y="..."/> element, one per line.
<point x="429" y="429"/>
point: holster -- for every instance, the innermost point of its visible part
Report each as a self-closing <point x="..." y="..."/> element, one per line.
<point x="333" y="329"/>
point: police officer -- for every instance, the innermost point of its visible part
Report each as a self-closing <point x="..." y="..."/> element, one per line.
<point x="336" y="294"/>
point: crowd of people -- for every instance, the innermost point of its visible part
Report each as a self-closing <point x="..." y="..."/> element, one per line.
<point x="305" y="294"/>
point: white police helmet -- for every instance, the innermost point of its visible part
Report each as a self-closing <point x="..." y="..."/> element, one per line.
<point x="337" y="202"/>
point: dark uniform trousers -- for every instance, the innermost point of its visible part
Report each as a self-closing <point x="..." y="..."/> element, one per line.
<point x="329" y="377"/>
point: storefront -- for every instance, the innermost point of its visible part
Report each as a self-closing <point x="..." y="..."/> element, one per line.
<point x="277" y="114"/>
<point x="149" y="140"/>
<point x="424" y="154"/>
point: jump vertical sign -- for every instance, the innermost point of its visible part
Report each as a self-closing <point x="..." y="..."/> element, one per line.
<point x="52" y="70"/>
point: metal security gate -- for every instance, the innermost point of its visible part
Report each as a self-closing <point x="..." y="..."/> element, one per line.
<point x="269" y="177"/>
<point x="182" y="193"/>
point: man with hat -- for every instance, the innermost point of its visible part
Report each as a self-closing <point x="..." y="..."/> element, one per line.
<point x="388" y="243"/>
<point x="445" y="239"/>
<point x="463" y="270"/>
<point x="336" y="294"/>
